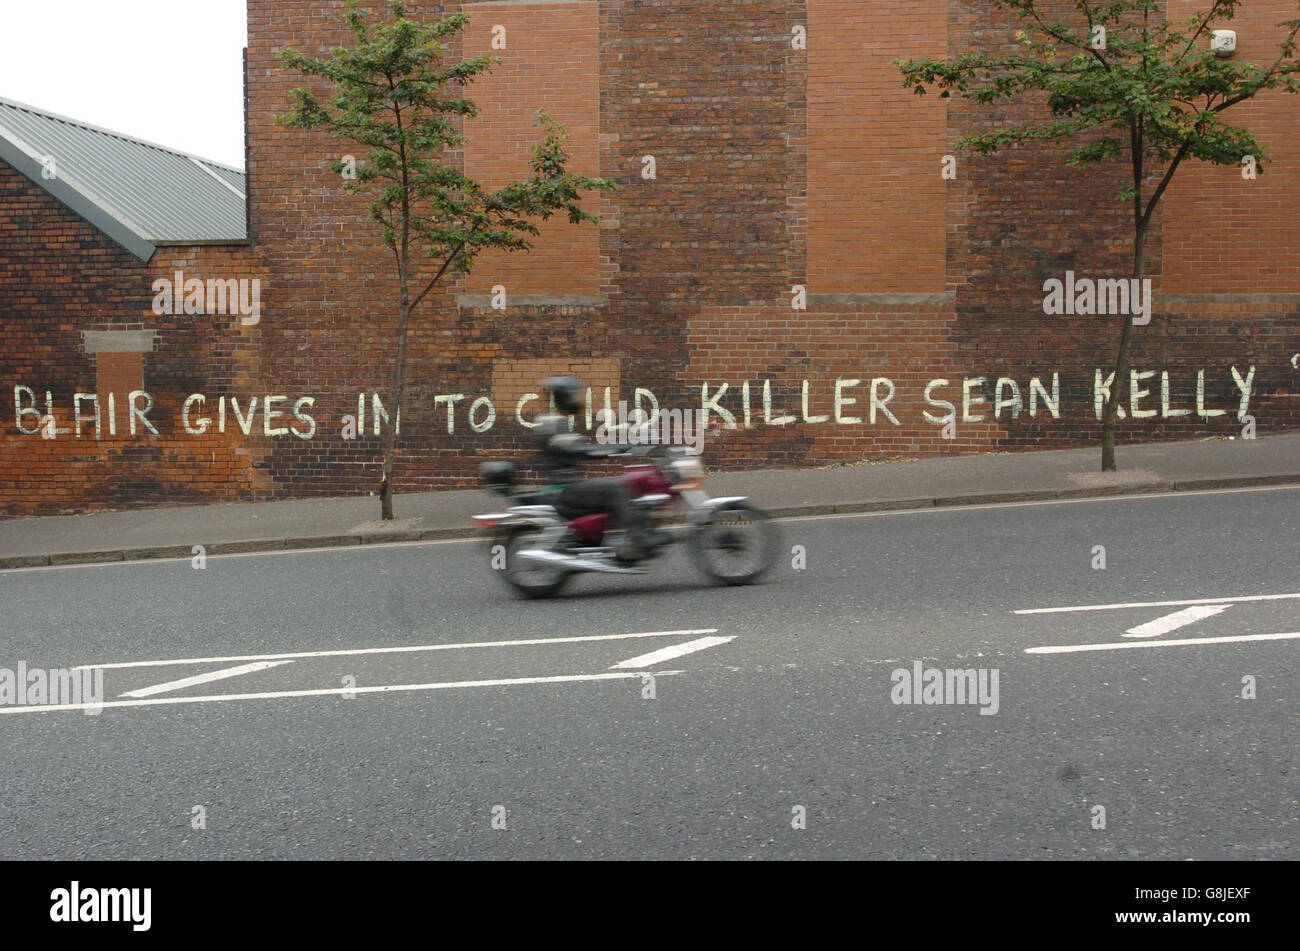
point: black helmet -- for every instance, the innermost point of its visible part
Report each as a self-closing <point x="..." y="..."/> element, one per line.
<point x="567" y="392"/>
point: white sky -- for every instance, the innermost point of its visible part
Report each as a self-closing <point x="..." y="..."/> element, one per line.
<point x="169" y="71"/>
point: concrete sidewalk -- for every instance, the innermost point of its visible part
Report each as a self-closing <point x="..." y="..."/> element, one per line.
<point x="967" y="480"/>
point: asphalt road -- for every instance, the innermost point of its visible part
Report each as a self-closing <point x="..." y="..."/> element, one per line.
<point x="792" y="721"/>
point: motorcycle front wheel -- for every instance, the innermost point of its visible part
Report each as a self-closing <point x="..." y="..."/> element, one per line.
<point x="737" y="545"/>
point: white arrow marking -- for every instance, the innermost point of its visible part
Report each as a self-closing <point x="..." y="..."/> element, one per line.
<point x="668" y="653"/>
<point x="1185" y="642"/>
<point x="204" y="678"/>
<point x="1160" y="604"/>
<point x="1172" y="622"/>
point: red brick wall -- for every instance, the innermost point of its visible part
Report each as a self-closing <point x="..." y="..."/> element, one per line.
<point x="1023" y="216"/>
<point x="59" y="277"/>
<point x="875" y="195"/>
<point x="1226" y="234"/>
<point x="903" y="347"/>
<point x="775" y="167"/>
<point x="564" y="260"/>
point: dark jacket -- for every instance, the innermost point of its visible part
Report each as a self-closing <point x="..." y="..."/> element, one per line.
<point x="563" y="451"/>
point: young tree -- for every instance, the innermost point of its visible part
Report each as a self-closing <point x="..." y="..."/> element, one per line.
<point x="392" y="92"/>
<point x="1138" y="85"/>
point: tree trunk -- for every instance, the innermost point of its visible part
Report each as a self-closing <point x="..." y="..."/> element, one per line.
<point x="1120" y="380"/>
<point x="398" y="391"/>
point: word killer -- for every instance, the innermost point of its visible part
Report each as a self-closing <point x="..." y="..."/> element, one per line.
<point x="35" y="686"/>
<point x="74" y="904"/>
<point x="934" y="687"/>
<point x="1086" y="296"/>
<point x="241" y="297"/>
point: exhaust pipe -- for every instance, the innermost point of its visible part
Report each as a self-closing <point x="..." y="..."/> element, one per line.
<point x="575" y="563"/>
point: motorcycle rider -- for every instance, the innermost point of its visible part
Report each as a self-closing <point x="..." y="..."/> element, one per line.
<point x="563" y="452"/>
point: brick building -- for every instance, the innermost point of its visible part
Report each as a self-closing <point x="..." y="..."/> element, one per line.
<point x="789" y="167"/>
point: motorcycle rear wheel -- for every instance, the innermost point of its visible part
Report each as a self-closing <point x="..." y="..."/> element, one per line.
<point x="529" y="580"/>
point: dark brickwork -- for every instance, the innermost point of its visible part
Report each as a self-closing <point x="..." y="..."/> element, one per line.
<point x="776" y="167"/>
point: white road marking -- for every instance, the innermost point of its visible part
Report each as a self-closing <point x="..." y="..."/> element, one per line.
<point x="1172" y="622"/>
<point x="1185" y="642"/>
<point x="205" y="678"/>
<point x="1160" y="604"/>
<point x="333" y="692"/>
<point x="668" y="653"/>
<point x="392" y="650"/>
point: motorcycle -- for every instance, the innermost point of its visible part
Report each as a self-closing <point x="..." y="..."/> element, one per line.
<point x="537" y="548"/>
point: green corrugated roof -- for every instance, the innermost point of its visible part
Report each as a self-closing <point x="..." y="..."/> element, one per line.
<point x="138" y="193"/>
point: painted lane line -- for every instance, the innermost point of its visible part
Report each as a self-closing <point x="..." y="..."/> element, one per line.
<point x="392" y="650"/>
<point x="1172" y="622"/>
<point x="668" y="653"/>
<point x="334" y="692"/>
<point x="1160" y="604"/>
<point x="1185" y="642"/>
<point x="205" y="678"/>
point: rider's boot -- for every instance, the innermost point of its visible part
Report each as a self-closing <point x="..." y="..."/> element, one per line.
<point x="657" y="538"/>
<point x="646" y="535"/>
<point x="626" y="546"/>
